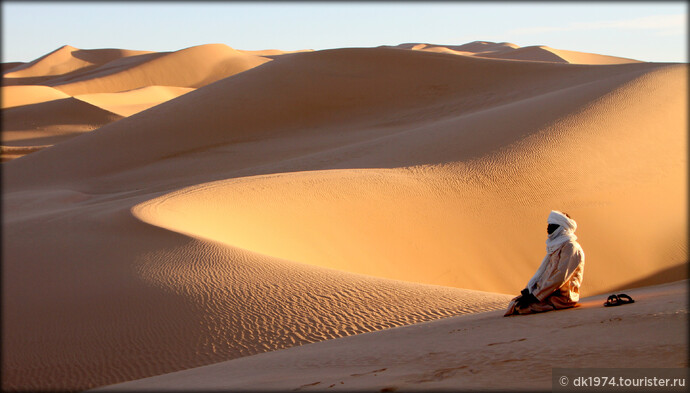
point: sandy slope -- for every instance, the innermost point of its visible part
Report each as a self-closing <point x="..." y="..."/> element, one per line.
<point x="288" y="202"/>
<point x="374" y="88"/>
<point x="121" y="82"/>
<point x="272" y="52"/>
<point x="52" y="121"/>
<point x="477" y="351"/>
<point x="192" y="67"/>
<point x="490" y="162"/>
<point x="6" y="67"/>
<point x="545" y="53"/>
<point x="69" y="71"/>
<point x="127" y="103"/>
<point x="11" y="152"/>
<point x="68" y="59"/>
<point x="13" y="96"/>
<point x="117" y="300"/>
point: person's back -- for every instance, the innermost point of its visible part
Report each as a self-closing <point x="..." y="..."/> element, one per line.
<point x="556" y="284"/>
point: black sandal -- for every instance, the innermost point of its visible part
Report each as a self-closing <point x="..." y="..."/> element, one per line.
<point x="617" y="300"/>
<point x="625" y="299"/>
<point x="612" y="301"/>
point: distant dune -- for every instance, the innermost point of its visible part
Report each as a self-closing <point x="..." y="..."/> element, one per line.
<point x="127" y="103"/>
<point x="121" y="82"/>
<point x="192" y="67"/>
<point x="13" y="96"/>
<point x="508" y="51"/>
<point x="174" y="210"/>
<point x="67" y="60"/>
<point x="51" y="121"/>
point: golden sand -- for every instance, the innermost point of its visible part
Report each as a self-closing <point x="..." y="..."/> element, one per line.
<point x="174" y="210"/>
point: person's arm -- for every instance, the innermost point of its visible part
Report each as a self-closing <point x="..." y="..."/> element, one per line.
<point x="552" y="279"/>
<point x="526" y="297"/>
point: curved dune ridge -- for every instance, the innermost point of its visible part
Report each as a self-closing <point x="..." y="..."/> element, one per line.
<point x="77" y="71"/>
<point x="445" y="214"/>
<point x="508" y="51"/>
<point x="68" y="59"/>
<point x="325" y="194"/>
<point x="51" y="122"/>
<point x="272" y="52"/>
<point x="13" y="96"/>
<point x="6" y="67"/>
<point x="127" y="103"/>
<point x="192" y="67"/>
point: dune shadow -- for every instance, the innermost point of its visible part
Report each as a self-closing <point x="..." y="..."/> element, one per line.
<point x="98" y="56"/>
<point x="40" y="141"/>
<point x="63" y="111"/>
<point x="671" y="274"/>
<point x="102" y="70"/>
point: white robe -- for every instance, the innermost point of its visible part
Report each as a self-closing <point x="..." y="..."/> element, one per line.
<point x="556" y="283"/>
<point x="562" y="274"/>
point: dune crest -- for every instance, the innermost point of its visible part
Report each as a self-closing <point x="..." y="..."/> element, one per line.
<point x="7" y="67"/>
<point x="50" y="122"/>
<point x="129" y="102"/>
<point x="509" y="51"/>
<point x="68" y="59"/>
<point x="192" y="67"/>
<point x="13" y="96"/>
<point x="272" y="52"/>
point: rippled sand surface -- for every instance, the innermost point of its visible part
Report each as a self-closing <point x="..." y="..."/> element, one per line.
<point x="476" y="351"/>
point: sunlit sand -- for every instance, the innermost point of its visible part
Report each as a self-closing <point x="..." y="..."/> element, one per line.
<point x="168" y="211"/>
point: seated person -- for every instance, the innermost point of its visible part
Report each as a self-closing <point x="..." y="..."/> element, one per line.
<point x="556" y="284"/>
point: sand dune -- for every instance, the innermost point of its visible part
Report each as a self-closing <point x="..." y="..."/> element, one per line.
<point x="272" y="52"/>
<point x="544" y="53"/>
<point x="6" y="67"/>
<point x="180" y="303"/>
<point x="68" y="59"/>
<point x="532" y="53"/>
<point x="452" y="207"/>
<point x="508" y="51"/>
<point x="485" y="46"/>
<point x="11" y="152"/>
<point x="402" y="88"/>
<point x="515" y="143"/>
<point x="321" y="195"/>
<point x="192" y="67"/>
<point x="574" y="57"/>
<point x="13" y="96"/>
<point x="127" y="103"/>
<point x="50" y="122"/>
<point x="121" y="82"/>
<point x="471" y="47"/>
<point x="86" y="72"/>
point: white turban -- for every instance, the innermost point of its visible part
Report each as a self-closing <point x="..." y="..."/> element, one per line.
<point x="558" y="218"/>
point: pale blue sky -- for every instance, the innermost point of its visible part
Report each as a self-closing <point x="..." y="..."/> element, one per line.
<point x="649" y="31"/>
